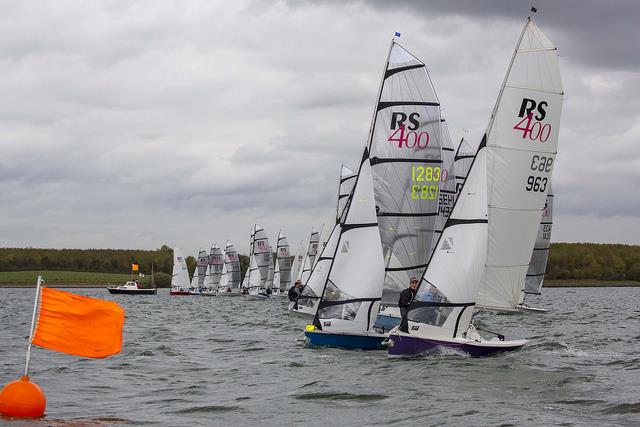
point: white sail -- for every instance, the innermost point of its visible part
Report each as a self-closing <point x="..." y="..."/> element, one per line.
<point x="232" y="261"/>
<point x="540" y="254"/>
<point x="270" y="277"/>
<point x="276" y="277"/>
<point x="283" y="264"/>
<point x="180" y="273"/>
<point x="254" y="281"/>
<point x="464" y="157"/>
<point x="444" y="301"/>
<point x="261" y="255"/>
<point x="201" y="268"/>
<point x="245" y="280"/>
<point x="296" y="268"/>
<point x="406" y="162"/>
<point x="309" y="259"/>
<point x="216" y="264"/>
<point x="352" y="292"/>
<point x="347" y="180"/>
<point x="522" y="140"/>
<point x="224" y="276"/>
<point x="313" y="289"/>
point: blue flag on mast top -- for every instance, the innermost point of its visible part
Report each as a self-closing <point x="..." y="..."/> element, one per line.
<point x="397" y="34"/>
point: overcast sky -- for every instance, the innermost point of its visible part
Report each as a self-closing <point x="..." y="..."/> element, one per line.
<point x="135" y="124"/>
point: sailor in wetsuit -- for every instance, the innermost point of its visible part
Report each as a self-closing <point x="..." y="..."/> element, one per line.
<point x="294" y="293"/>
<point x="406" y="297"/>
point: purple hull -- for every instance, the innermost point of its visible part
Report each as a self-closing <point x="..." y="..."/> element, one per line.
<point x="411" y="346"/>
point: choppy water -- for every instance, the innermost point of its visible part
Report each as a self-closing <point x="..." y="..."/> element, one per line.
<point x="230" y="361"/>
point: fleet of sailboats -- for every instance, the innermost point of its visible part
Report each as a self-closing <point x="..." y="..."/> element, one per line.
<point x="419" y="207"/>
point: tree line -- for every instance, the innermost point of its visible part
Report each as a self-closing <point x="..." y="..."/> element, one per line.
<point x="580" y="261"/>
<point x="95" y="260"/>
<point x="566" y="261"/>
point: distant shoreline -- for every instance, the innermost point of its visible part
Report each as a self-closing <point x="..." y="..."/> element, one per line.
<point x="550" y="283"/>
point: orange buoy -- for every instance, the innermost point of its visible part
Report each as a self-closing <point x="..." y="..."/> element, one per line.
<point x="22" y="399"/>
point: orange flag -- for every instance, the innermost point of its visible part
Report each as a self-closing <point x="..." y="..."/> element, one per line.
<point x="79" y="325"/>
<point x="134" y="267"/>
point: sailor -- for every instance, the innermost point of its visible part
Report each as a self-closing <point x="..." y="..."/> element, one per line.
<point x="294" y="293"/>
<point x="406" y="297"/>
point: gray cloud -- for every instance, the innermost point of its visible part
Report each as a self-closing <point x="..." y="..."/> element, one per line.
<point x="136" y="124"/>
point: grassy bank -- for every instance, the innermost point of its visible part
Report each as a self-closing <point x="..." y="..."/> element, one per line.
<point x="70" y="278"/>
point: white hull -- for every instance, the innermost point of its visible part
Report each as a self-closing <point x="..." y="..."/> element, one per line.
<point x="302" y="310"/>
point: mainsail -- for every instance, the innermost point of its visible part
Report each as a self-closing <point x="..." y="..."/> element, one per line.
<point x="405" y="146"/>
<point x="282" y="279"/>
<point x="216" y="263"/>
<point x="296" y="268"/>
<point x="270" y="277"/>
<point x="540" y="254"/>
<point x="352" y="291"/>
<point x="202" y="266"/>
<point x="180" y="273"/>
<point x="254" y="281"/>
<point x="310" y="257"/>
<point x="231" y="273"/>
<point x="522" y="140"/>
<point x="260" y="261"/>
<point x="317" y="280"/>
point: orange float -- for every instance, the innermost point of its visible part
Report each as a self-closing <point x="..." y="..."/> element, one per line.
<point x="22" y="399"/>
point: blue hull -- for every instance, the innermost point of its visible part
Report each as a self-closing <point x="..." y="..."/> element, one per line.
<point x="412" y="346"/>
<point x="348" y="341"/>
<point x="387" y="323"/>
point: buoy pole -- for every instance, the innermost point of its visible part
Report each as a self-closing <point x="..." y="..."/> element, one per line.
<point x="33" y="325"/>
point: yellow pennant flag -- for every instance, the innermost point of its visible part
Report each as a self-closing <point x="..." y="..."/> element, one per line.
<point x="79" y="325"/>
<point x="134" y="267"/>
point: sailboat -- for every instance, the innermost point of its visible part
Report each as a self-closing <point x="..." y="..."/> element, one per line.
<point x="349" y="302"/>
<point x="179" y="275"/>
<point x="259" y="266"/>
<point x="214" y="272"/>
<point x="230" y="278"/>
<point x="408" y="172"/>
<point x="405" y="169"/>
<point x="200" y="273"/>
<point x="539" y="256"/>
<point x="484" y="250"/>
<point x="282" y="274"/>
